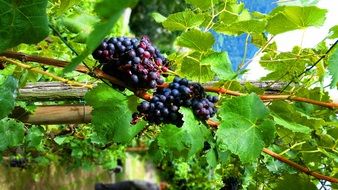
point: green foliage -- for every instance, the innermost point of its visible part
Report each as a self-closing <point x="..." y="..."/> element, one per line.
<point x="111" y="116"/>
<point x="20" y="19"/>
<point x="284" y="66"/>
<point x="220" y="64"/>
<point x="246" y="129"/>
<point x="288" y="18"/>
<point x="333" y="68"/>
<point x="196" y="40"/>
<point x="183" y="20"/>
<point x="295" y="182"/>
<point x="286" y="116"/>
<point x="11" y="133"/>
<point x="143" y="16"/>
<point x="334" y="32"/>
<point x="8" y="94"/>
<point x="190" y="137"/>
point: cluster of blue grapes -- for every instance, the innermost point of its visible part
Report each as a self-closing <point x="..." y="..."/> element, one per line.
<point x="165" y="104"/>
<point x="18" y="162"/>
<point x="134" y="61"/>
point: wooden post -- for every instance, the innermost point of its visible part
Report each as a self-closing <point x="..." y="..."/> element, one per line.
<point x="55" y="114"/>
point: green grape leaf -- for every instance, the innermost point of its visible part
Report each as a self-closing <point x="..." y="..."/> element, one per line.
<point x="239" y="27"/>
<point x="242" y="130"/>
<point x="22" y="22"/>
<point x="220" y="65"/>
<point x="34" y="137"/>
<point x="287" y="116"/>
<point x="109" y="11"/>
<point x="295" y="127"/>
<point x="283" y="67"/>
<point x="81" y="25"/>
<point x="194" y="70"/>
<point x="333" y="67"/>
<point x="202" y="4"/>
<point x="287" y="18"/>
<point x="8" y="94"/>
<point x="11" y="133"/>
<point x="111" y="116"/>
<point x="295" y="182"/>
<point x="196" y="39"/>
<point x="334" y="32"/>
<point x="63" y="5"/>
<point x="188" y="140"/>
<point x="158" y="17"/>
<point x="211" y="158"/>
<point x="183" y="20"/>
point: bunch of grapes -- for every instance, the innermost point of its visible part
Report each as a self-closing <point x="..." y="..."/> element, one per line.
<point x="205" y="108"/>
<point x="18" y="162"/>
<point x="137" y="62"/>
<point x="164" y="106"/>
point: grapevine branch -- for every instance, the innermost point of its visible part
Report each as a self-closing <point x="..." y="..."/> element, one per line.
<point x="331" y="105"/>
<point x="299" y="167"/>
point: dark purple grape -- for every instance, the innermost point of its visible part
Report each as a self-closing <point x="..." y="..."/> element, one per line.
<point x="136" y="60"/>
<point x="144" y="106"/>
<point x="175" y="93"/>
<point x="132" y="54"/>
<point x="152" y="83"/>
<point x="174" y="85"/>
<point x="153" y="75"/>
<point x="134" y="79"/>
<point x="146" y="54"/>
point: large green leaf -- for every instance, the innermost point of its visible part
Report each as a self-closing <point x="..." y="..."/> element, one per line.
<point x="22" y="22"/>
<point x="194" y="70"/>
<point x="202" y="4"/>
<point x="196" y="39"/>
<point x="111" y="116"/>
<point x="211" y="65"/>
<point x="242" y="130"/>
<point x="34" y="137"/>
<point x="220" y="65"/>
<point x="80" y="25"/>
<point x="239" y="27"/>
<point x="109" y="11"/>
<point x="183" y="20"/>
<point x="187" y="140"/>
<point x="287" y="18"/>
<point x="333" y="68"/>
<point x="295" y="127"/>
<point x="286" y="116"/>
<point x="8" y="90"/>
<point x="283" y="66"/>
<point x="11" y="133"/>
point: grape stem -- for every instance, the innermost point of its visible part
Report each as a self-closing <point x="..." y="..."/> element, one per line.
<point x="97" y="73"/>
<point x="331" y="105"/>
<point x="299" y="167"/>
